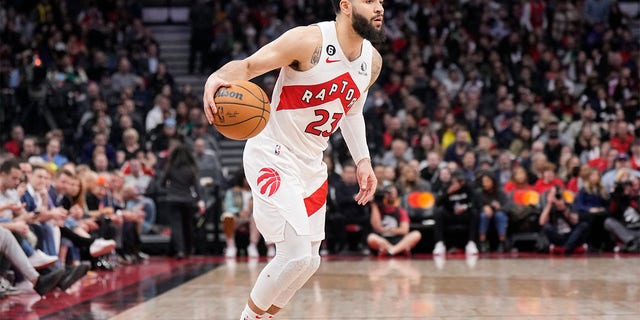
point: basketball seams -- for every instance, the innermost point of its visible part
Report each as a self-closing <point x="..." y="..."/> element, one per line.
<point x="239" y="104"/>
<point x="237" y="123"/>
<point x="261" y="99"/>
<point x="254" y="128"/>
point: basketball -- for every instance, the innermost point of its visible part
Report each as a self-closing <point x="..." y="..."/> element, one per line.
<point x="243" y="110"/>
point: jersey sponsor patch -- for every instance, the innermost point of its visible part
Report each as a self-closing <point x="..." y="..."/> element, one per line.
<point x="341" y="88"/>
<point x="268" y="181"/>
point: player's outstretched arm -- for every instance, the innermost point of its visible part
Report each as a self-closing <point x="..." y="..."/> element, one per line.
<point x="354" y="133"/>
<point x="294" y="45"/>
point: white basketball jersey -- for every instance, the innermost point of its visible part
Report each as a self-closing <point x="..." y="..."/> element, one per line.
<point x="308" y="106"/>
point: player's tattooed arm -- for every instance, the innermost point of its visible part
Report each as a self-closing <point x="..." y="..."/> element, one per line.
<point x="315" y="58"/>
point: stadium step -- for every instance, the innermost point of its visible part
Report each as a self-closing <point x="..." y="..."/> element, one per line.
<point x="174" y="50"/>
<point x="231" y="155"/>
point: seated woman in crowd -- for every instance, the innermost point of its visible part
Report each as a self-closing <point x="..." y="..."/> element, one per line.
<point x="495" y="205"/>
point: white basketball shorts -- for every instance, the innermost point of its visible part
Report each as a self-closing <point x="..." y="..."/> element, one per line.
<point x="286" y="189"/>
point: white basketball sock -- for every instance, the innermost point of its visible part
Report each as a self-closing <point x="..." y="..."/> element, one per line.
<point x="248" y="314"/>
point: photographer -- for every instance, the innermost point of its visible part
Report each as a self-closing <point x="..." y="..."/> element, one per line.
<point x="390" y="225"/>
<point x="457" y="205"/>
<point x="562" y="227"/>
<point x="624" y="223"/>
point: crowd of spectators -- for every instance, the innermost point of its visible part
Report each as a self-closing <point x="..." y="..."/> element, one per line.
<point x="476" y="101"/>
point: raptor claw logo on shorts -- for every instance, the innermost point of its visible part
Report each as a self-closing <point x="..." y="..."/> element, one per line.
<point x="268" y="181"/>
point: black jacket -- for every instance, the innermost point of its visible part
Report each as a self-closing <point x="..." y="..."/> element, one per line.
<point x="464" y="197"/>
<point x="182" y="185"/>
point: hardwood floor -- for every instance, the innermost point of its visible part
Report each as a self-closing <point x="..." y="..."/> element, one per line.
<point x="368" y="288"/>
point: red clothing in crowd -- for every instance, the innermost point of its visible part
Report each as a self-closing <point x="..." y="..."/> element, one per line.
<point x="12" y="147"/>
<point x="541" y="186"/>
<point x="635" y="163"/>
<point x="511" y="186"/>
<point x="621" y="144"/>
<point x="572" y="185"/>
<point x="599" y="163"/>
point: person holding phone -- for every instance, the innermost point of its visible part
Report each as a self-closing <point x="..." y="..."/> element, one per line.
<point x="456" y="205"/>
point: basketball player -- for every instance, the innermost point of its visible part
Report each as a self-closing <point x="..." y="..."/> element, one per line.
<point x="326" y="70"/>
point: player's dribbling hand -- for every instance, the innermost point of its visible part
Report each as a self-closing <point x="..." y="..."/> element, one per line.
<point x="210" y="88"/>
<point x="367" y="181"/>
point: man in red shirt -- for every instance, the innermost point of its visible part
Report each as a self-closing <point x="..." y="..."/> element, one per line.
<point x="13" y="146"/>
<point x="548" y="179"/>
<point x="623" y="139"/>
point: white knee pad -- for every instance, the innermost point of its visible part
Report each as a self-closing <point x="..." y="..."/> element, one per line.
<point x="283" y="298"/>
<point x="282" y="276"/>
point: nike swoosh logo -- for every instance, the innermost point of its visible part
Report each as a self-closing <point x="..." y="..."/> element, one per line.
<point x="331" y="61"/>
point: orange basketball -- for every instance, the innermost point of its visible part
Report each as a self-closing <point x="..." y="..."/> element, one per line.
<point x="243" y="110"/>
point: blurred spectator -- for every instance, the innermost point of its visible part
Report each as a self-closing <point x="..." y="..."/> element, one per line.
<point x="208" y="162"/>
<point x="14" y="145"/>
<point x="456" y="206"/>
<point x="456" y="150"/>
<point x="596" y="11"/>
<point x="390" y="224"/>
<point x="124" y="78"/>
<point x="201" y="20"/>
<point x="621" y="164"/>
<point x="495" y="206"/>
<point x="350" y="212"/>
<point x="162" y="136"/>
<point x="238" y="215"/>
<point x="562" y="227"/>
<point x="548" y="179"/>
<point x="624" y="222"/>
<point x="591" y="204"/>
<point x="161" y="111"/>
<point x="183" y="192"/>
<point x="400" y="151"/>
<point x="52" y="154"/>
<point x="134" y="174"/>
<point x="130" y="145"/>
<point x="635" y="154"/>
<point x="623" y="138"/>
<point x="99" y="143"/>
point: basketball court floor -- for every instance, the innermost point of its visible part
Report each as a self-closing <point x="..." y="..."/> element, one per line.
<point x="491" y="287"/>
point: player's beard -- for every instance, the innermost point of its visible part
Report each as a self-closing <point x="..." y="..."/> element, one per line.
<point x="365" y="29"/>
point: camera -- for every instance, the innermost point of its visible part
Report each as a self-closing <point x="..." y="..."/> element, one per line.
<point x="558" y="194"/>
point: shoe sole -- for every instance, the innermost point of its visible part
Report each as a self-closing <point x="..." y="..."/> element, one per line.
<point x="44" y="266"/>
<point x="103" y="251"/>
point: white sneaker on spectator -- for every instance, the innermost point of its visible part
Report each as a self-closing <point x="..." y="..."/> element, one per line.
<point x="271" y="251"/>
<point x="101" y="246"/>
<point x="252" y="251"/>
<point x="471" y="248"/>
<point x="231" y="252"/>
<point x="439" y="249"/>
<point x="40" y="260"/>
<point x="7" y="287"/>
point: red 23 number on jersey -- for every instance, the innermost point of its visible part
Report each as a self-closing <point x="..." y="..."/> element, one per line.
<point x="313" y="127"/>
